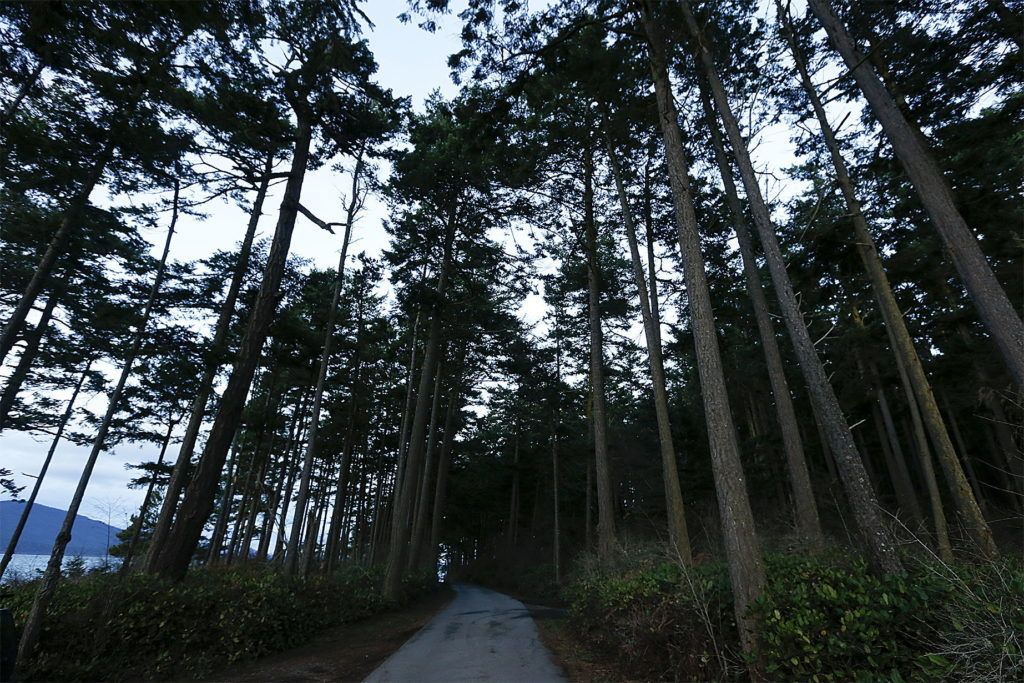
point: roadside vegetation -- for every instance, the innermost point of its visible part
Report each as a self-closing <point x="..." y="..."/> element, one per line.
<point x="105" y="627"/>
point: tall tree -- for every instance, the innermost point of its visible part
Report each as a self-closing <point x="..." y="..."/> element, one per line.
<point x="746" y="568"/>
<point x="903" y="346"/>
<point x="862" y="499"/>
<point x="1001" y="319"/>
<point x="321" y="54"/>
<point x="51" y="576"/>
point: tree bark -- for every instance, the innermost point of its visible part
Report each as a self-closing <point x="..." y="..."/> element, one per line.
<point x="678" y="537"/>
<point x="907" y="359"/>
<point x="126" y="563"/>
<point x="964" y="454"/>
<point x="443" y="464"/>
<point x="881" y="548"/>
<point x="12" y="544"/>
<point x="746" y="569"/>
<point x="51" y="575"/>
<point x="406" y="485"/>
<point x="807" y="519"/>
<point x="899" y="474"/>
<point x="924" y="455"/>
<point x="334" y="536"/>
<point x="325" y="358"/>
<point x="602" y="466"/>
<point x="217" y="347"/>
<point x="994" y="307"/>
<point x="224" y="509"/>
<point x="512" y="532"/>
<point x="183" y="537"/>
<point x="556" y="423"/>
<point x="419" y="526"/>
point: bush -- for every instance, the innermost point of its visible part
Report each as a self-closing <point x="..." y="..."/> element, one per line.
<point x="820" y="619"/>
<point x="105" y="627"/>
<point x="824" y="621"/>
<point x="662" y="621"/>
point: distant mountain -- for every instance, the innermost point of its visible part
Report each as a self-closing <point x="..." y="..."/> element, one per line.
<point x="88" y="537"/>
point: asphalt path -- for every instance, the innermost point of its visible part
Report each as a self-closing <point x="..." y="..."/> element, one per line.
<point x="481" y="636"/>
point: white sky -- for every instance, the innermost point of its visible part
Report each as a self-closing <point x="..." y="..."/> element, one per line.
<point x="412" y="63"/>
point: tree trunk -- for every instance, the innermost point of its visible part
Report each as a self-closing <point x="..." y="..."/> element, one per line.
<point x="419" y="526"/>
<point x="321" y="378"/>
<point x="512" y="532"/>
<point x="183" y="537"/>
<point x="12" y="106"/>
<point x="270" y="515"/>
<point x="216" y="351"/>
<point x="807" y="519"/>
<point x="443" y="463"/>
<point x="126" y="563"/>
<point x="283" y="474"/>
<point x="588" y="518"/>
<point x="994" y="307"/>
<point x="881" y="548"/>
<point x="907" y="359"/>
<point x="278" y="555"/>
<point x="334" y="537"/>
<point x="405" y="486"/>
<point x="678" y="537"/>
<point x="51" y="576"/>
<point x="217" y="538"/>
<point x="12" y="544"/>
<point x="28" y="355"/>
<point x="54" y="249"/>
<point x="901" y="474"/>
<point x="746" y="569"/>
<point x="333" y="547"/>
<point x="964" y="454"/>
<point x="602" y="466"/>
<point x="924" y="454"/>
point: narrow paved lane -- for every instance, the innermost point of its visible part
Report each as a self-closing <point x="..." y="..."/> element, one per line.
<point x="481" y="636"/>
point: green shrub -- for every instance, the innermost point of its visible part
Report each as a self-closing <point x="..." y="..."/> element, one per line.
<point x="662" y="621"/>
<point x="820" y="619"/>
<point x="824" y="621"/>
<point x="105" y="627"/>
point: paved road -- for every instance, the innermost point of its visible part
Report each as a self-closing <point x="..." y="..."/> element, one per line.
<point x="481" y="636"/>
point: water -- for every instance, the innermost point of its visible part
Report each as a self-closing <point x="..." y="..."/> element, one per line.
<point x="29" y="566"/>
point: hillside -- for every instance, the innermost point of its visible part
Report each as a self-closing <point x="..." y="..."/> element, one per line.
<point x="89" y="537"/>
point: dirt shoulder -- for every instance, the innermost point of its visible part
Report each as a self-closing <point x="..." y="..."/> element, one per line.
<point x="579" y="662"/>
<point x="344" y="653"/>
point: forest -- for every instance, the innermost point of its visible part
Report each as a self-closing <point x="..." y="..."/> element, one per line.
<point x="743" y="420"/>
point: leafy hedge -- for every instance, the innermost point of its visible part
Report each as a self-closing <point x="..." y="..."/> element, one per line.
<point x="662" y="622"/>
<point x="820" y="619"/>
<point x="104" y="627"/>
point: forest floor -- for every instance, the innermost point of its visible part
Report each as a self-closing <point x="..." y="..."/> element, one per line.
<point x="343" y="653"/>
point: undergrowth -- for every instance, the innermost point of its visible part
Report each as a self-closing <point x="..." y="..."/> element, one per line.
<point x="102" y="626"/>
<point x="822" y="618"/>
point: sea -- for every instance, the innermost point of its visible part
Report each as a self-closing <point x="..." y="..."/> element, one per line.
<point x="24" y="567"/>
